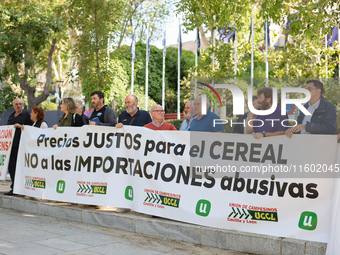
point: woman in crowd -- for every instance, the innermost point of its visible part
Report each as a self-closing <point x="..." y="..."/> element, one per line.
<point x="38" y="116"/>
<point x="70" y="118"/>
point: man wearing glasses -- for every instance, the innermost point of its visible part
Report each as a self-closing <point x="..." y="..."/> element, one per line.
<point x="158" y="123"/>
<point x="323" y="116"/>
<point x="18" y="118"/>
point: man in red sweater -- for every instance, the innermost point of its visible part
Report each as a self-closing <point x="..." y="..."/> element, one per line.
<point x="158" y="123"/>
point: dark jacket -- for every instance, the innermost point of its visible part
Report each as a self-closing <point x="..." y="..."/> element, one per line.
<point x="23" y="118"/>
<point x="323" y="120"/>
<point x="38" y="123"/>
<point x="85" y="119"/>
<point x="239" y="128"/>
<point x="110" y="117"/>
<point x="140" y="118"/>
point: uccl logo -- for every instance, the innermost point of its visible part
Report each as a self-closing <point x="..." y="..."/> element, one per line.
<point x="203" y="208"/>
<point x="238" y="100"/>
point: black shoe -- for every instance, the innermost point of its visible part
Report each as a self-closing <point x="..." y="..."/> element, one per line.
<point x="9" y="193"/>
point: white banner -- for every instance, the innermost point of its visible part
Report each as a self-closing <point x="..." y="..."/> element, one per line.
<point x="152" y="172"/>
<point x="6" y="139"/>
<point x="333" y="245"/>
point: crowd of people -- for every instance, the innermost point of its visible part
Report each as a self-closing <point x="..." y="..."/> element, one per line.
<point x="198" y="117"/>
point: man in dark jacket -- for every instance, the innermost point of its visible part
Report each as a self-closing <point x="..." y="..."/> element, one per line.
<point x="323" y="116"/>
<point x="102" y="114"/>
<point x="18" y="118"/>
<point x="79" y="110"/>
<point x="133" y="116"/>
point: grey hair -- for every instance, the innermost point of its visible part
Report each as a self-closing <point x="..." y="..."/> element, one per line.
<point x="154" y="106"/>
<point x="80" y="103"/>
<point x="191" y="102"/>
<point x="200" y="97"/>
<point x="134" y="97"/>
<point x="22" y="101"/>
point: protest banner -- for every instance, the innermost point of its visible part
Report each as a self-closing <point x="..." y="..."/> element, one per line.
<point x="6" y="139"/>
<point x="161" y="173"/>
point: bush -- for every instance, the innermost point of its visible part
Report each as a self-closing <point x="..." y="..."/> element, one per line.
<point x="49" y="106"/>
<point x="177" y="123"/>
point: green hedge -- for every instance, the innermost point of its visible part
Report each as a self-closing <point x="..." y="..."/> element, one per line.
<point x="177" y="123"/>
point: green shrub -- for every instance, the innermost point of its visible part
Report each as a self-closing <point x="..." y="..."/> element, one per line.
<point x="49" y="106"/>
<point x="177" y="123"/>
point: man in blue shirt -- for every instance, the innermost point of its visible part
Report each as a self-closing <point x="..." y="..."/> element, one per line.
<point x="133" y="116"/>
<point x="188" y="112"/>
<point x="210" y="122"/>
<point x="266" y="125"/>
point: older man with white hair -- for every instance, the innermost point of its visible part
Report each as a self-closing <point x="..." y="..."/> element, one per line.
<point x="133" y="116"/>
<point x="188" y="114"/>
<point x="18" y="118"/>
<point x="158" y="123"/>
<point x="79" y="110"/>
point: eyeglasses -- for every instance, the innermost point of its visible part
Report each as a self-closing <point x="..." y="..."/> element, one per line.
<point x="310" y="88"/>
<point x="158" y="111"/>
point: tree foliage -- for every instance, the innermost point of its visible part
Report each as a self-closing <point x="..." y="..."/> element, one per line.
<point x="306" y="53"/>
<point x="28" y="32"/>
<point x="94" y="19"/>
<point x="7" y="95"/>
<point x="137" y="14"/>
<point x="155" y="71"/>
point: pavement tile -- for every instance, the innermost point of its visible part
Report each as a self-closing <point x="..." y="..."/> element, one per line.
<point x="61" y="244"/>
<point x="79" y="252"/>
<point x="23" y="235"/>
<point x="27" y="248"/>
<point x="122" y="249"/>
<point x="92" y="238"/>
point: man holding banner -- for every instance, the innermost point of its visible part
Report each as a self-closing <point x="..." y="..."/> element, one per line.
<point x="188" y="110"/>
<point x="158" y="122"/>
<point x="133" y="116"/>
<point x="266" y="125"/>
<point x="102" y="114"/>
<point x="208" y="122"/>
<point x="323" y="115"/>
<point x="18" y="118"/>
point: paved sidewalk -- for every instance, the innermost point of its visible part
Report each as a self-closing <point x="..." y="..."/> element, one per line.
<point x="27" y="233"/>
<point x="24" y="233"/>
<point x="51" y="227"/>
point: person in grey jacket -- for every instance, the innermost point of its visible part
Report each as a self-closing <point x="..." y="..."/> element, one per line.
<point x="323" y="115"/>
<point x="102" y="114"/>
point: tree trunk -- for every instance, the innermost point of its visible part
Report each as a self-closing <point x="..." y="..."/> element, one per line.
<point x="204" y="39"/>
<point x="73" y="39"/>
<point x="60" y="64"/>
<point x="31" y="98"/>
<point x="97" y="50"/>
